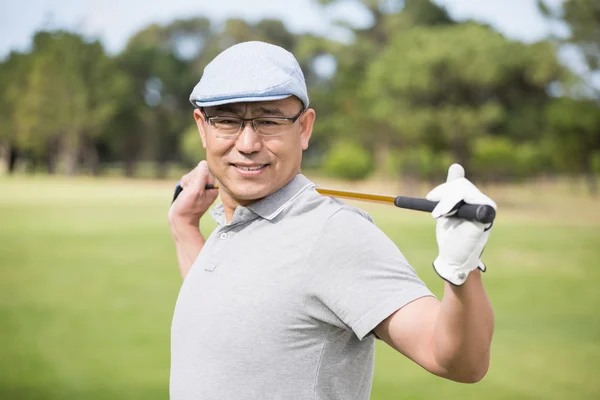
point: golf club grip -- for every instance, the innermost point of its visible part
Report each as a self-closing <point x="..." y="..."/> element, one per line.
<point x="478" y="212"/>
<point x="178" y="190"/>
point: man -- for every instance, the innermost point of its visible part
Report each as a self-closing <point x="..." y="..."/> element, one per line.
<point x="286" y="297"/>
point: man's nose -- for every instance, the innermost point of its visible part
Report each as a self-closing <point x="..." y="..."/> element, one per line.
<point x="248" y="141"/>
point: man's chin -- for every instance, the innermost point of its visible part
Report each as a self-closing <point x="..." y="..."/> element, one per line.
<point x="250" y="192"/>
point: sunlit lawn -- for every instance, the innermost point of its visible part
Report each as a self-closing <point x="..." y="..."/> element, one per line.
<point x="88" y="282"/>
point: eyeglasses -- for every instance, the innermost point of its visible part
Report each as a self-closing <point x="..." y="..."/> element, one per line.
<point x="230" y="127"/>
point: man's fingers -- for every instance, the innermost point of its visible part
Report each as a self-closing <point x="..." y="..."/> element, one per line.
<point x="436" y="193"/>
<point x="455" y="171"/>
<point x="199" y="178"/>
<point x="192" y="180"/>
<point x="446" y="204"/>
<point x="203" y="174"/>
<point x="185" y="180"/>
<point x="459" y="189"/>
<point x="476" y="197"/>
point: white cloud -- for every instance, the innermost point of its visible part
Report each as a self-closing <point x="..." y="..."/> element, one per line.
<point x="114" y="21"/>
<point x="517" y="19"/>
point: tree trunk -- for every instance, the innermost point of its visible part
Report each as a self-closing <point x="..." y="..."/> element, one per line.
<point x="460" y="151"/>
<point x="70" y="153"/>
<point x="161" y="169"/>
<point x="130" y="160"/>
<point x="51" y="156"/>
<point x="162" y="155"/>
<point x="132" y="148"/>
<point x="91" y="158"/>
<point x="51" y="163"/>
<point x="382" y="158"/>
<point x="8" y="154"/>
<point x="70" y="159"/>
<point x="12" y="159"/>
<point x="129" y="170"/>
<point x="590" y="177"/>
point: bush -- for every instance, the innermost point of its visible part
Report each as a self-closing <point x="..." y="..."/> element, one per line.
<point x="420" y="162"/>
<point x="190" y="146"/>
<point x="596" y="163"/>
<point x="499" y="158"/>
<point x="348" y="160"/>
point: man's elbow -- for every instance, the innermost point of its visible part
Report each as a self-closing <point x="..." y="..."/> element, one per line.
<point x="475" y="376"/>
<point x="469" y="374"/>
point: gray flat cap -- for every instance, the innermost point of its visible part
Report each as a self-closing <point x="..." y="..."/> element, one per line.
<point x="250" y="71"/>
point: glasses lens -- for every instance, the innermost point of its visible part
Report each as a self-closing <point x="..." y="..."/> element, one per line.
<point x="271" y="126"/>
<point x="226" y="126"/>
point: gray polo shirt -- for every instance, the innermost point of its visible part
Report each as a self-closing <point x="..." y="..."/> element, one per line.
<point x="282" y="301"/>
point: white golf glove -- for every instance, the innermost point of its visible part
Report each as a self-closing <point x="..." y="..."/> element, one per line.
<point x="460" y="241"/>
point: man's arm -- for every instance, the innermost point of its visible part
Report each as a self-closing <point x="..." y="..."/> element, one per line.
<point x="185" y="214"/>
<point x="450" y="338"/>
<point x="188" y="244"/>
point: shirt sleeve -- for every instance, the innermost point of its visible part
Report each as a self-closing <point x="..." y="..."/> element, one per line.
<point x="360" y="275"/>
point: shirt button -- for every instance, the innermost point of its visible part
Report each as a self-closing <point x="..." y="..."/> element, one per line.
<point x="223" y="236"/>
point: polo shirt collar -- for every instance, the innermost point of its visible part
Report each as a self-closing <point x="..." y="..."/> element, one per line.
<point x="269" y="207"/>
<point x="275" y="203"/>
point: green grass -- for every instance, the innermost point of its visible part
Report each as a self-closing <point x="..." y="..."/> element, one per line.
<point x="88" y="282"/>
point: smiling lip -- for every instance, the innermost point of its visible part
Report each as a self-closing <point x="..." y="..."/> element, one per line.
<point x="250" y="169"/>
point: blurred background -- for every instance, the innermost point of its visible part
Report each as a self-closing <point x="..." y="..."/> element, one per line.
<point x="96" y="128"/>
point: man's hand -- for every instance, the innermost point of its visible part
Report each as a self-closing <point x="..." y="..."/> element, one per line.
<point x="185" y="214"/>
<point x="460" y="241"/>
<point x="194" y="200"/>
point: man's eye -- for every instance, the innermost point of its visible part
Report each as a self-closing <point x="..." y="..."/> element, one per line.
<point x="227" y="121"/>
<point x="266" y="122"/>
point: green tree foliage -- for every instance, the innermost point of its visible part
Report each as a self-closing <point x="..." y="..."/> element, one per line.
<point x="419" y="162"/>
<point x="410" y="92"/>
<point x="69" y="95"/>
<point x="13" y="77"/>
<point x="191" y="148"/>
<point x="447" y="86"/>
<point x="575" y="134"/>
<point x="345" y="111"/>
<point x="156" y="61"/>
<point x="501" y="159"/>
<point x="582" y="18"/>
<point x="348" y="160"/>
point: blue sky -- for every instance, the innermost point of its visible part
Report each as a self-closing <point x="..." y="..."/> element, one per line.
<point x="115" y="20"/>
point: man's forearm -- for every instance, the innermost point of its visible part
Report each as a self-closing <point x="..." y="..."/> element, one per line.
<point x="463" y="330"/>
<point x="188" y="244"/>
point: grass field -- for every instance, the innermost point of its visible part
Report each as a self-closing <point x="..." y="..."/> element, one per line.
<point x="88" y="282"/>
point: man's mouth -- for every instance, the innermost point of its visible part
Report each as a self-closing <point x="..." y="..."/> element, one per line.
<point x="250" y="167"/>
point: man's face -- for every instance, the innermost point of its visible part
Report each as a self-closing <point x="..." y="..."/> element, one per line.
<point x="250" y="166"/>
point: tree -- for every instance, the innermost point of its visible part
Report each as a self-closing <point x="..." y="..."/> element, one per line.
<point x="13" y="75"/>
<point x="582" y="17"/>
<point x="159" y="62"/>
<point x="345" y="112"/>
<point x="69" y="97"/>
<point x="446" y="86"/>
<point x="575" y="128"/>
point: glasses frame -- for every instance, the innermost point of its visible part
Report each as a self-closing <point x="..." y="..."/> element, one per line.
<point x="243" y="121"/>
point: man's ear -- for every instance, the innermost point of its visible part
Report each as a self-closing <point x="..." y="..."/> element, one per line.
<point x="200" y="123"/>
<point x="307" y="120"/>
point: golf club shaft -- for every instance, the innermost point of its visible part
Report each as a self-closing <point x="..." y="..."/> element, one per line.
<point x="478" y="212"/>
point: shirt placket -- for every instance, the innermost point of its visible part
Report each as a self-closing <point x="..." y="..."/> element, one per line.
<point x="224" y="235"/>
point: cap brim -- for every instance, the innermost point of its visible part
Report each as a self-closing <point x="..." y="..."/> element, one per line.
<point x="219" y="102"/>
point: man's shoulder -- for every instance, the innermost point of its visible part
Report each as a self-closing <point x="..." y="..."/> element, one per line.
<point x="318" y="209"/>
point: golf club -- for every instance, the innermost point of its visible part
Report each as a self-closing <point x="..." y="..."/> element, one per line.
<point x="477" y="212"/>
